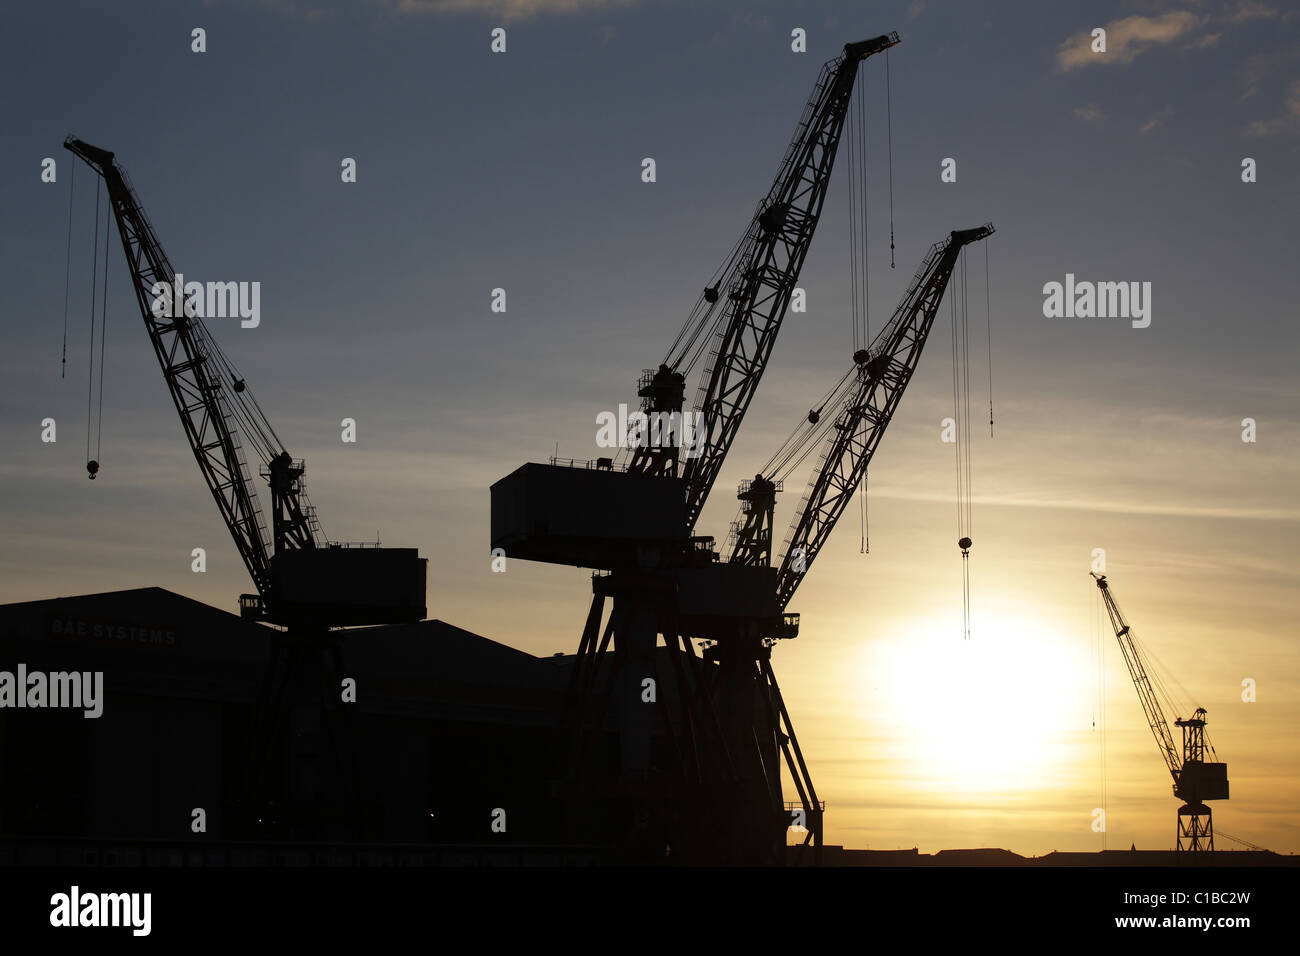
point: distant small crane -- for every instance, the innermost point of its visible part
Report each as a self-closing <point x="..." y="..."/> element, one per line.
<point x="1196" y="779"/>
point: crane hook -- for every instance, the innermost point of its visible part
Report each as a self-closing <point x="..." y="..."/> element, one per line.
<point x="92" y="466"/>
<point x="965" y="544"/>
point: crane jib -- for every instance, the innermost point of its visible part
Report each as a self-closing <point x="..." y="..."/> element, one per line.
<point x="298" y="581"/>
<point x="765" y="273"/>
<point x="882" y="374"/>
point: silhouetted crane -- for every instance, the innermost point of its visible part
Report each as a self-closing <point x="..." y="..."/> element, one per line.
<point x="862" y="404"/>
<point x="304" y="583"/>
<point x="637" y="523"/>
<point x="1197" y="778"/>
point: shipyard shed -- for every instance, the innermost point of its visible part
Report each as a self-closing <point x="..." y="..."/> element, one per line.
<point x="450" y="725"/>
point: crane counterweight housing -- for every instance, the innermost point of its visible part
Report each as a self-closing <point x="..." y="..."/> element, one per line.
<point x="588" y="516"/>
<point x="350" y="586"/>
<point x="1198" y="782"/>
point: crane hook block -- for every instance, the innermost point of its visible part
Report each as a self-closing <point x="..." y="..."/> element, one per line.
<point x="965" y="544"/>
<point x="711" y="294"/>
<point x="813" y="416"/>
<point x="240" y="385"/>
<point x="861" y="357"/>
<point x="92" y="467"/>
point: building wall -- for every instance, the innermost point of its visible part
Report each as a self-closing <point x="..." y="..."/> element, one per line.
<point x="449" y="727"/>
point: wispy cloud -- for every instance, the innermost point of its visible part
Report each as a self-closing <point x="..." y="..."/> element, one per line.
<point x="1244" y="10"/>
<point x="1260" y="66"/>
<point x="1092" y="113"/>
<point x="1288" y="121"/>
<point x="1126" y="38"/>
<point x="1156" y="121"/>
<point x="1204" y="43"/>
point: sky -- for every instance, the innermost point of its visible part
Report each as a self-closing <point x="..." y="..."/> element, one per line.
<point x="522" y="171"/>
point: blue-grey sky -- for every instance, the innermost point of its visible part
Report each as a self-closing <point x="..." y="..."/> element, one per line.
<point x="522" y="171"/>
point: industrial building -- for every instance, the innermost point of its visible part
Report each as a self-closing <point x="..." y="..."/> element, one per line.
<point x="449" y="727"/>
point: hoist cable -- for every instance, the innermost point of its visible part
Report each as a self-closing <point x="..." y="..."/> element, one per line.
<point x="965" y="334"/>
<point x="865" y="546"/>
<point x="94" y="285"/>
<point x="960" y="339"/>
<point x="853" y="233"/>
<point x="988" y="318"/>
<point x="865" y="264"/>
<point x="67" y="274"/>
<point x="103" y="337"/>
<point x="952" y="314"/>
<point x="804" y="432"/>
<point x="889" y="124"/>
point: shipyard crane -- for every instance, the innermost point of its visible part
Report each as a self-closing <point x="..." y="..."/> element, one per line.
<point x="758" y="280"/>
<point x="304" y="583"/>
<point x="1197" y="773"/>
<point x="863" y="402"/>
<point x="866" y="398"/>
<point x="636" y="523"/>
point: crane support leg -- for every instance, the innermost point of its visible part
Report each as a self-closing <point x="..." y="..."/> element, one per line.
<point x="688" y="766"/>
<point x="302" y="780"/>
<point x="1195" y="828"/>
<point x="673" y="792"/>
<point x="812" y="808"/>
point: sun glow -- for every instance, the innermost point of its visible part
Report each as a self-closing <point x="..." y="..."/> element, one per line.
<point x="997" y="713"/>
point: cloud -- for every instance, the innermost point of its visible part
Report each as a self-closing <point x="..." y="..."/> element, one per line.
<point x="1156" y="121"/>
<point x="1287" y="122"/>
<point x="1092" y="113"/>
<point x="1126" y="38"/>
<point x="1244" y="10"/>
<point x="1260" y="66"/>
<point x="505" y="10"/>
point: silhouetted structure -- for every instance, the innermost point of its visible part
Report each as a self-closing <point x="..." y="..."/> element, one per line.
<point x="728" y="729"/>
<point x="1198" y="775"/>
<point x="306" y="584"/>
<point x="450" y="726"/>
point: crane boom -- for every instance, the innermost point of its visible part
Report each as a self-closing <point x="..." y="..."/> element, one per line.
<point x="1137" y="671"/>
<point x="882" y="373"/>
<point x="758" y="285"/>
<point x="301" y="578"/>
<point x="192" y="367"/>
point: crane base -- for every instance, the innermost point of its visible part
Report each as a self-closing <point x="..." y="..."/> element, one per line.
<point x="1195" y="828"/>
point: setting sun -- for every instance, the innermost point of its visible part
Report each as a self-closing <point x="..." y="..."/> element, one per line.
<point x="984" y="715"/>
